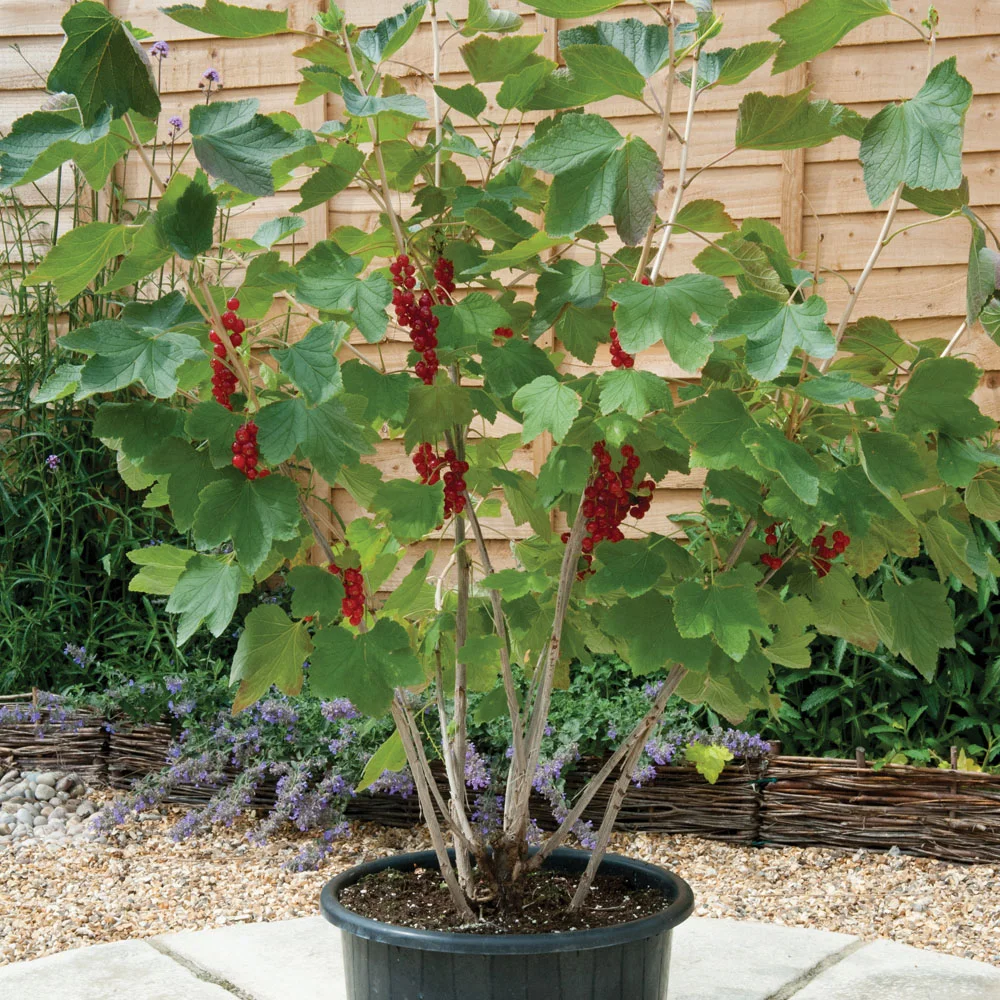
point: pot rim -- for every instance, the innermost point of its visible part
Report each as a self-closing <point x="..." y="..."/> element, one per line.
<point x="678" y="893"/>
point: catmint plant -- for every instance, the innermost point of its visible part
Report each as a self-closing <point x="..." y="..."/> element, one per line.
<point x="509" y="214"/>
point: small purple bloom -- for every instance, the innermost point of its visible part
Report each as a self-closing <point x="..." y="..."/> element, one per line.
<point x="160" y="49"/>
<point x="52" y="462"/>
<point x="212" y="75"/>
<point x="174" y="684"/>
<point x="176" y="122"/>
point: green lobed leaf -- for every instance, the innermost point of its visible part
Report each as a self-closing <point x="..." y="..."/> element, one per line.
<point x="921" y="623"/>
<point x="360" y="105"/>
<point x="186" y="215"/>
<point x="645" y="46"/>
<point x="237" y="145"/>
<point x="63" y="382"/>
<point x="315" y="591"/>
<point x="405" y="599"/>
<point x="890" y="461"/>
<point x="470" y="100"/>
<point x="776" y="121"/>
<point x="982" y="496"/>
<point x="434" y="409"/>
<point x="161" y="567"/>
<point x="705" y="215"/>
<point x="919" y="142"/>
<point x="715" y="424"/>
<point x="547" y="405"/>
<point x="774" y="330"/>
<point x="102" y="64"/>
<point x="39" y="142"/>
<point x="187" y="472"/>
<point x="937" y="398"/>
<point x="513" y="365"/>
<point x="311" y="362"/>
<point x="387" y="395"/>
<point x="390" y="756"/>
<point x="140" y="428"/>
<point x="726" y="608"/>
<point x="630" y="565"/>
<point x="492" y="59"/>
<point x="229" y="20"/>
<point x="788" y="459"/>
<point x="79" y="256"/>
<point x="818" y="25"/>
<point x="647" y="313"/>
<point x="709" y="761"/>
<point x="271" y="650"/>
<point x="206" y="591"/>
<point x="150" y="250"/>
<point x="984" y="275"/>
<point x="411" y="509"/>
<point x="636" y="392"/>
<point x="253" y="514"/>
<point x="391" y="33"/>
<point x="571" y="8"/>
<point x="365" y="668"/>
<point x="728" y="66"/>
<point x="122" y="354"/>
<point x="483" y="17"/>
<point x="649" y="640"/>
<point x="331" y="178"/>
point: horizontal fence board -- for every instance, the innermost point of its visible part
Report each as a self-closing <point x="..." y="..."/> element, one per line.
<point x="144" y="14"/>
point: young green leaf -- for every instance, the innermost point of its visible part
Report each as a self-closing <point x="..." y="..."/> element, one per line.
<point x="229" y="20"/>
<point x="984" y="275"/>
<point x="547" y="405"/>
<point x="919" y="142"/>
<point x="818" y="25"/>
<point x="649" y="641"/>
<point x="788" y="459"/>
<point x="571" y="8"/>
<point x="709" y="761"/>
<point x="271" y="650"/>
<point x="494" y="59"/>
<point x="150" y="250"/>
<point x="636" y="392"/>
<point x="63" y="382"/>
<point x="101" y="64"/>
<point x="705" y="215"/>
<point x="715" y="425"/>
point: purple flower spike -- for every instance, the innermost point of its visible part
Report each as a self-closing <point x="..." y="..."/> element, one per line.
<point x="160" y="49"/>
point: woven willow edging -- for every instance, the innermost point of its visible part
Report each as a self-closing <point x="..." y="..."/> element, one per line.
<point x="949" y="814"/>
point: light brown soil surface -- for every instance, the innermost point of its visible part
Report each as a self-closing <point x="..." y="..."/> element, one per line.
<point x="141" y="883"/>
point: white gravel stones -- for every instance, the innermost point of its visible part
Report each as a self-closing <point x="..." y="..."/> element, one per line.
<point x="36" y="805"/>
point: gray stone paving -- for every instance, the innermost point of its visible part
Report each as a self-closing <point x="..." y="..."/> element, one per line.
<point x="301" y="960"/>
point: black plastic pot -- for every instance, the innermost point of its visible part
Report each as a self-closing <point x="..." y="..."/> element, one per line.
<point x="626" y="962"/>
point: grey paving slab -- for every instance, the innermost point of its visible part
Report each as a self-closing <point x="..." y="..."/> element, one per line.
<point x="738" y="960"/>
<point x="298" y="959"/>
<point x="126" y="970"/>
<point x="885" y="970"/>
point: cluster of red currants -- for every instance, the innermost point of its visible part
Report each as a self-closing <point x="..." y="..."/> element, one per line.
<point x="823" y="553"/>
<point x="415" y="313"/>
<point x="353" y="605"/>
<point x="429" y="465"/>
<point x="503" y="331"/>
<point x="245" y="454"/>
<point x="609" y="499"/>
<point x="772" y="561"/>
<point x="223" y="378"/>
<point x="620" y="358"/>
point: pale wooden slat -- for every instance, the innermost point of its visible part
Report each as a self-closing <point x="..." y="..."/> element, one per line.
<point x="29" y="17"/>
<point x="149" y="16"/>
<point x="904" y="293"/>
<point x="836" y="188"/>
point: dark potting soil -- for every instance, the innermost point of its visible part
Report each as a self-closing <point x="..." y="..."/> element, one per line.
<point x="420" y="899"/>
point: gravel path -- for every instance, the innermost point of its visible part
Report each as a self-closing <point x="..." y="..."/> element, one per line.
<point x="140" y="883"/>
